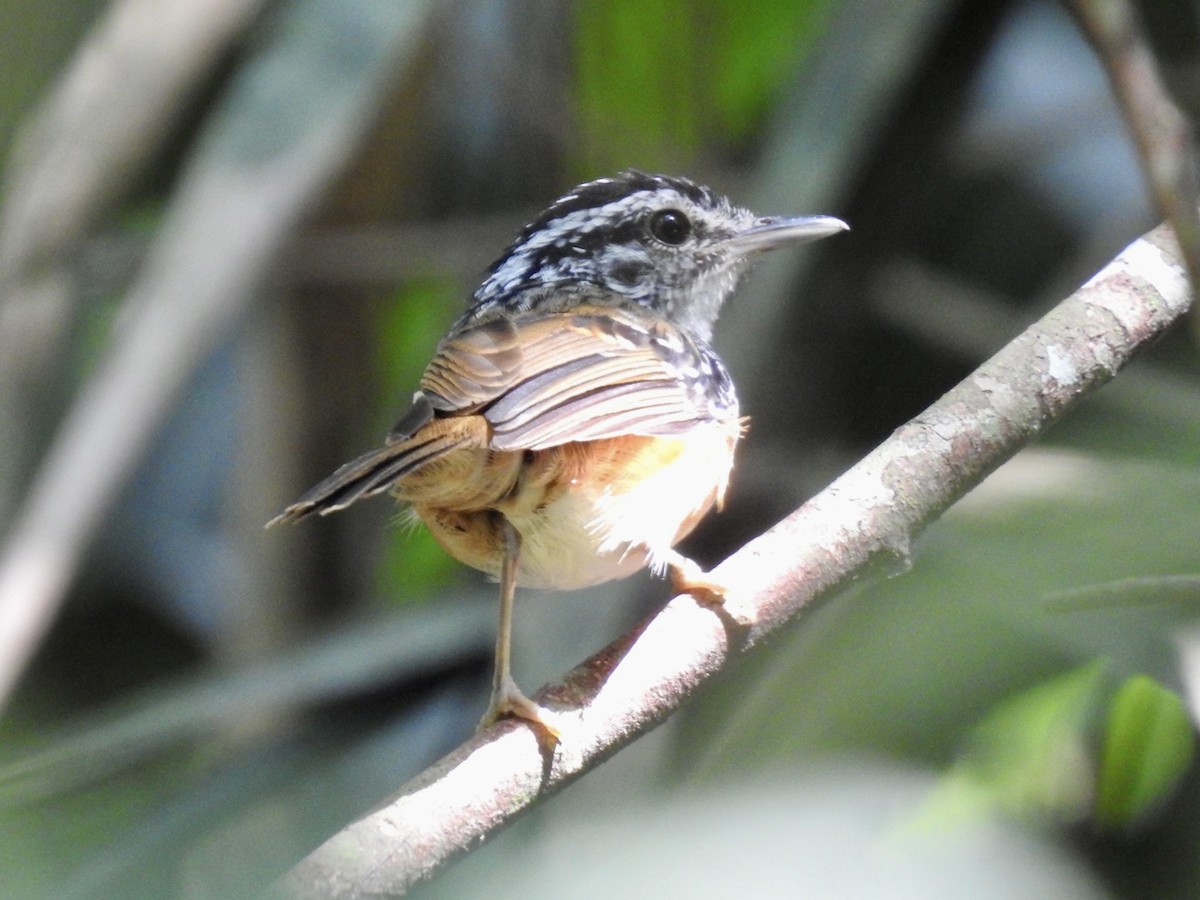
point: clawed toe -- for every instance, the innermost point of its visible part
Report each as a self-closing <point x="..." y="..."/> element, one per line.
<point x="688" y="578"/>
<point x="508" y="701"/>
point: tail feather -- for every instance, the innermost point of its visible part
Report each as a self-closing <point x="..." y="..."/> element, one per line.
<point x="372" y="473"/>
<point x="415" y="456"/>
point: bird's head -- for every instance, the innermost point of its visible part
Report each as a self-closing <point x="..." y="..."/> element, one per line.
<point x="657" y="242"/>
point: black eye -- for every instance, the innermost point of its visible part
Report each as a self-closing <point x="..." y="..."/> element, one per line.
<point x="670" y="226"/>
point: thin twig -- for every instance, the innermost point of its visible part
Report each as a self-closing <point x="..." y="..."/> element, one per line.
<point x="869" y="515"/>
<point x="1163" y="135"/>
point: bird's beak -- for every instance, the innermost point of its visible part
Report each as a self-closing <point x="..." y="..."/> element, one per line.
<point x="770" y="232"/>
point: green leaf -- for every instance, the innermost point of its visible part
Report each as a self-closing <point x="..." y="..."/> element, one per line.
<point x="655" y="80"/>
<point x="1028" y="758"/>
<point x="759" y="46"/>
<point x="408" y="327"/>
<point x="1148" y="746"/>
<point x="1002" y="595"/>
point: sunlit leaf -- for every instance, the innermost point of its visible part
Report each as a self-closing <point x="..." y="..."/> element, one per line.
<point x="1148" y="745"/>
<point x="1029" y="757"/>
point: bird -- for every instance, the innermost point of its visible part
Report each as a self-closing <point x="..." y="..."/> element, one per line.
<point x="575" y="422"/>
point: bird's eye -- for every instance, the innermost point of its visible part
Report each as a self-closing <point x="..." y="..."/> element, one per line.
<point x="670" y="226"/>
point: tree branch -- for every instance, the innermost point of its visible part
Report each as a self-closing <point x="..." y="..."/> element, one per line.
<point x="868" y="516"/>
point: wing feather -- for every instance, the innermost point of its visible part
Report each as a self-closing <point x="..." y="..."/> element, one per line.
<point x="531" y="381"/>
<point x="592" y="417"/>
<point x="544" y="380"/>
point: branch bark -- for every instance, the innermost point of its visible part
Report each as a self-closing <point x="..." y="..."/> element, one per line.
<point x="868" y="516"/>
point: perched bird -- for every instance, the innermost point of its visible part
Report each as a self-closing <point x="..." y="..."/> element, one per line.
<point x="575" y="422"/>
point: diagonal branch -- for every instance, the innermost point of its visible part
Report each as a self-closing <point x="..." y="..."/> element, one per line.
<point x="868" y="516"/>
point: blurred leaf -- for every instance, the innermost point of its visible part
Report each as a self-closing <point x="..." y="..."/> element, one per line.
<point x="656" y="78"/>
<point x="1028" y="758"/>
<point x="408" y="327"/>
<point x="756" y="48"/>
<point x="635" y="62"/>
<point x="1147" y="749"/>
<point x="1180" y="590"/>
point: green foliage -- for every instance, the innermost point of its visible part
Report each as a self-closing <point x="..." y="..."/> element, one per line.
<point x="657" y="80"/>
<point x="758" y="46"/>
<point x="1148" y="746"/>
<point x="408" y="327"/>
<point x="629" y="72"/>
<point x="1037" y="756"/>
<point x="1028" y="757"/>
<point x="990" y="627"/>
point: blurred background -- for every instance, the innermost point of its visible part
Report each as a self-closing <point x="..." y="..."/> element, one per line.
<point x="233" y="231"/>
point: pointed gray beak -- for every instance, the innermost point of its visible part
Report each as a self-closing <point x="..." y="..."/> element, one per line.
<point x="770" y="232"/>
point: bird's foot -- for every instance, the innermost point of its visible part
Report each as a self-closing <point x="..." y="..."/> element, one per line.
<point x="688" y="578"/>
<point x="508" y="701"/>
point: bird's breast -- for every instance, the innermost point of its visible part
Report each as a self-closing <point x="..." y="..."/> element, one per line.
<point x="587" y="512"/>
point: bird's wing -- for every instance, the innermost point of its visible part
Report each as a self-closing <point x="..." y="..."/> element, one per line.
<point x="532" y="381"/>
<point x="544" y="380"/>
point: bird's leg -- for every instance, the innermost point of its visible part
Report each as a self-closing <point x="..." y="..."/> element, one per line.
<point x="507" y="699"/>
<point x="688" y="578"/>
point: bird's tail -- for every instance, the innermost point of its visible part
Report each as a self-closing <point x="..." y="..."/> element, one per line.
<point x="375" y="472"/>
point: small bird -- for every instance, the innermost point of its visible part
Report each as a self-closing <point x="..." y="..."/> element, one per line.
<point x="575" y="422"/>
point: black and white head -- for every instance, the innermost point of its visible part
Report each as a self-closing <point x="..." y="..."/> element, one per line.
<point x="659" y="242"/>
